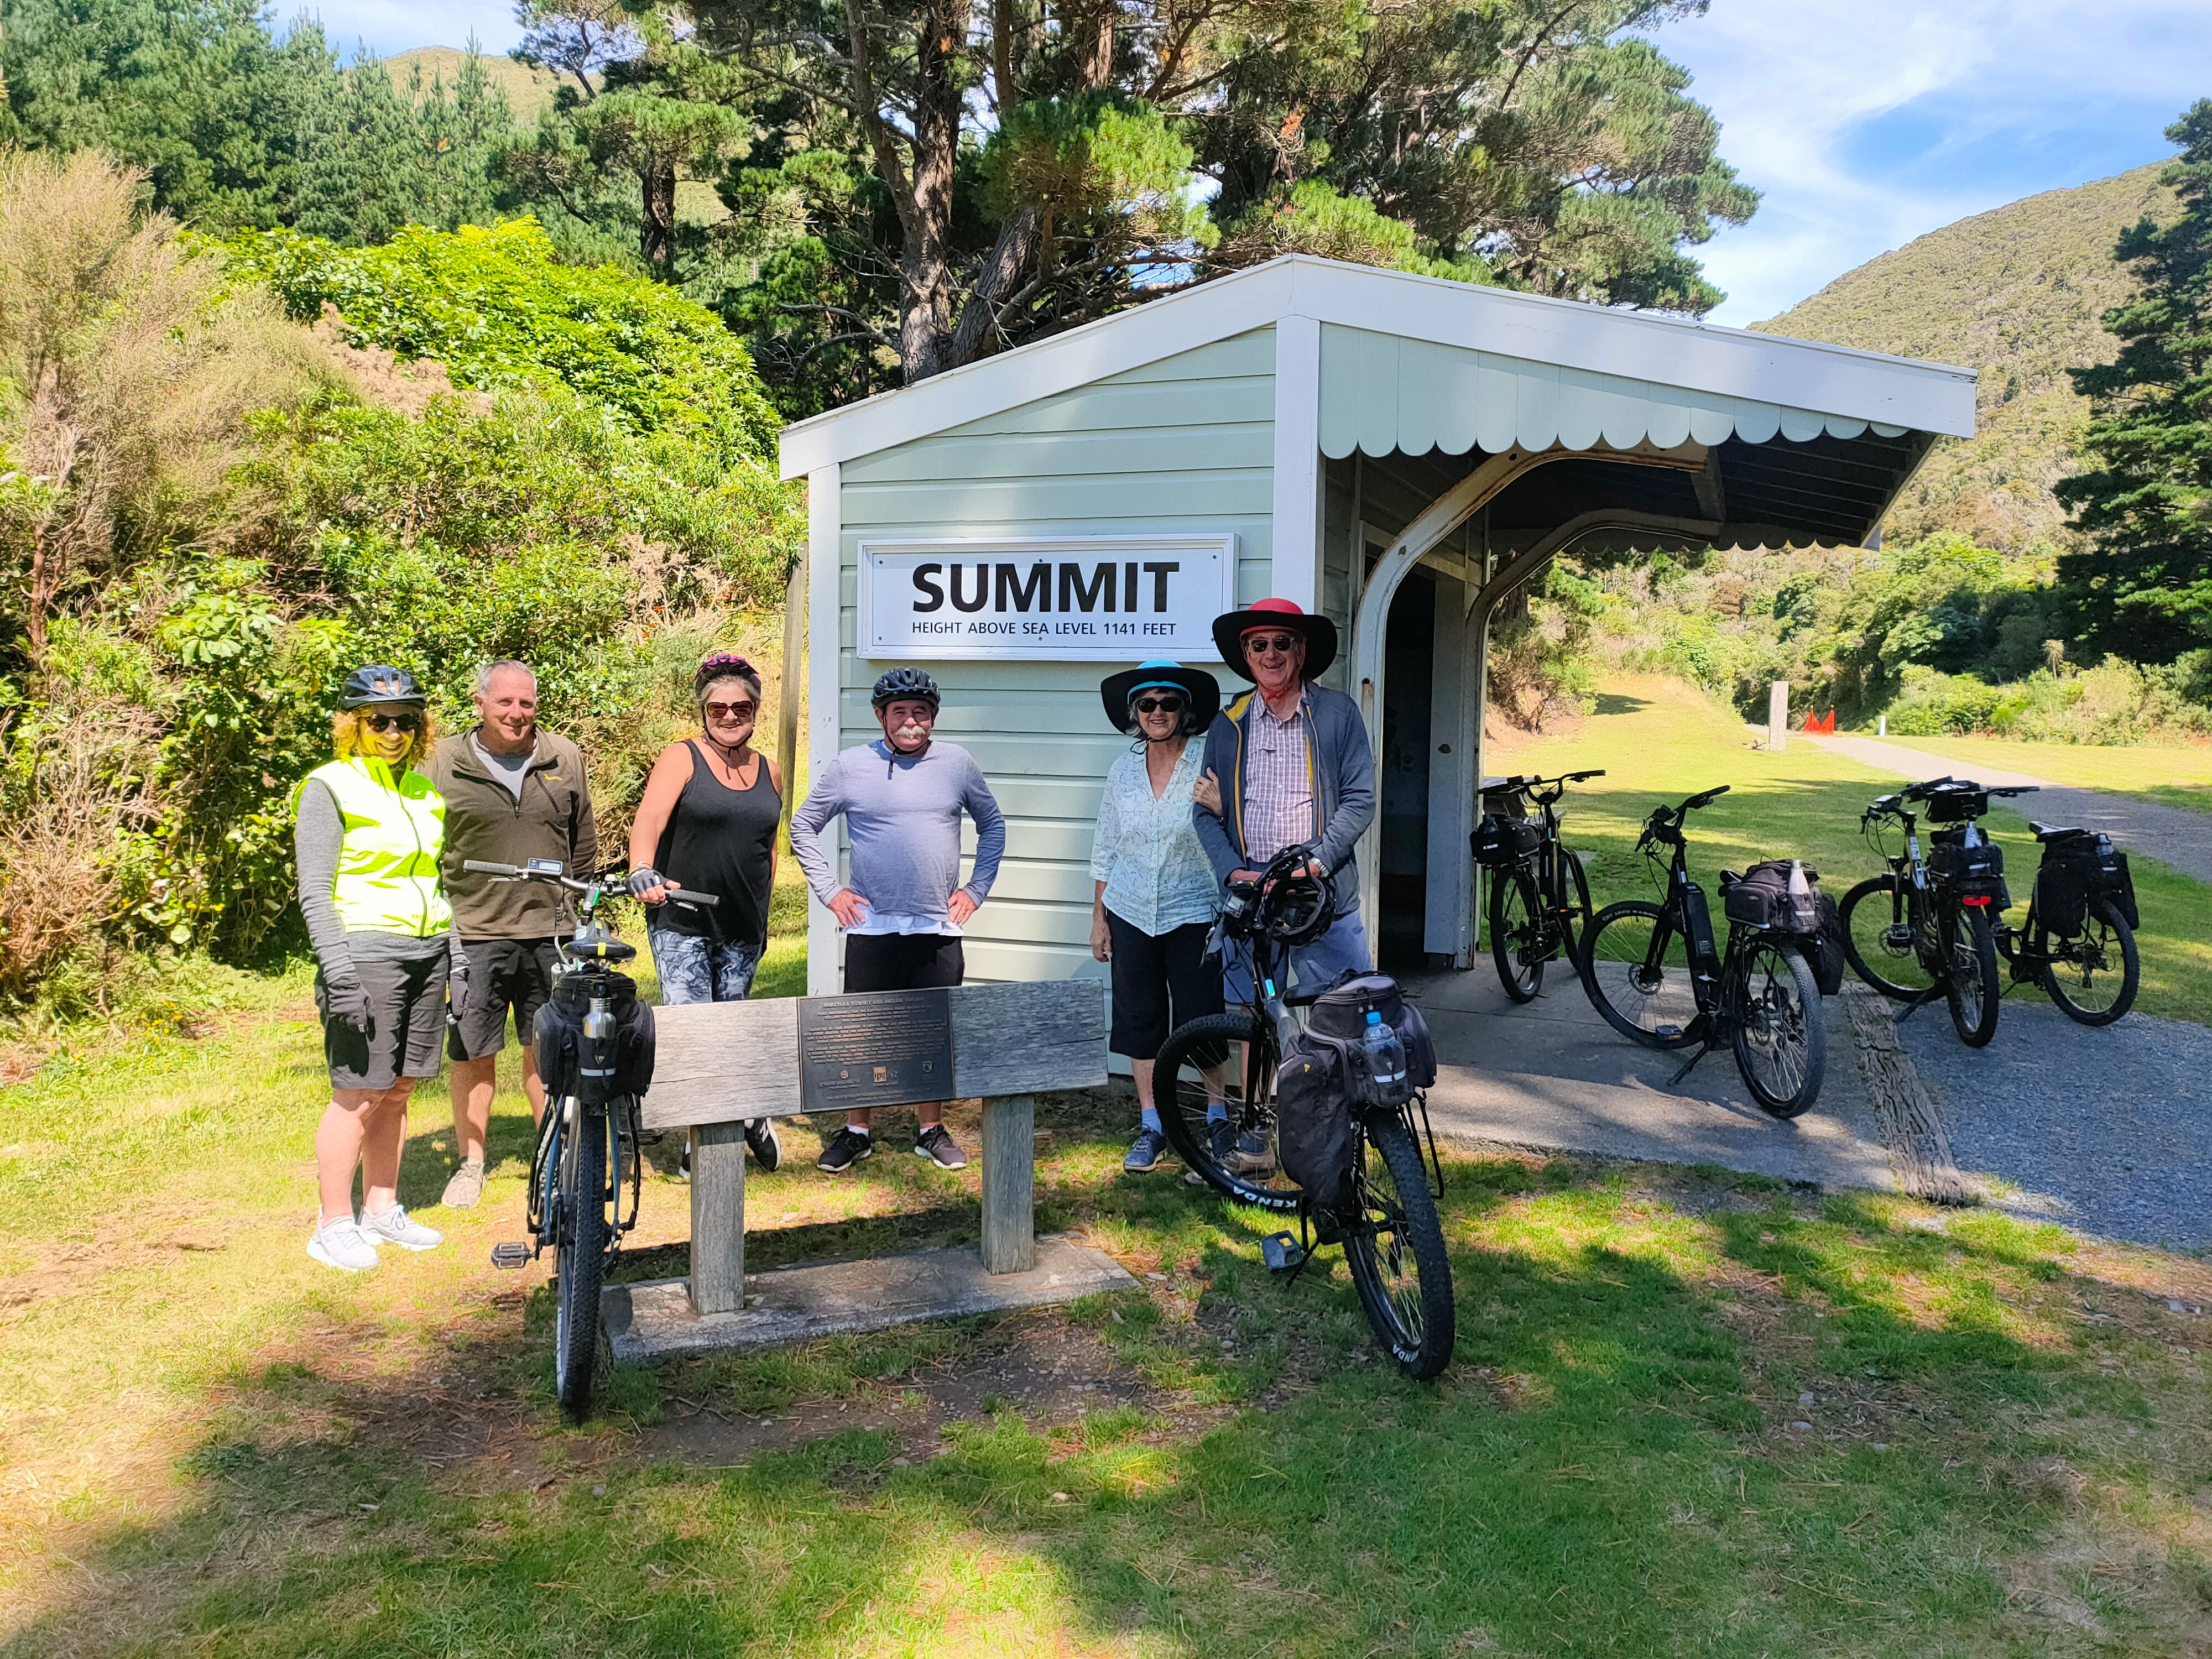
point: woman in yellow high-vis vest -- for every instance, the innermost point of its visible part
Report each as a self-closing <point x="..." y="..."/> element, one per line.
<point x="369" y="830"/>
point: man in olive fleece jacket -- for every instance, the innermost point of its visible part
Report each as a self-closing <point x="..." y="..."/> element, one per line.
<point x="512" y="793"/>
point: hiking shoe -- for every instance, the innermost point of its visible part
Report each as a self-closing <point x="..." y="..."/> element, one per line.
<point x="940" y="1148"/>
<point x="340" y="1244"/>
<point x="1253" y="1155"/>
<point x="849" y="1147"/>
<point x="1146" y="1150"/>
<point x="1220" y="1145"/>
<point x="760" y="1135"/>
<point x="467" y="1187"/>
<point x="391" y="1226"/>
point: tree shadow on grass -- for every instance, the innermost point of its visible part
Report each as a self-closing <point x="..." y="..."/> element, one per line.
<point x="1599" y="1471"/>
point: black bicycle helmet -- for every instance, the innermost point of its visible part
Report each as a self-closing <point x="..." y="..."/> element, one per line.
<point x="904" y="683"/>
<point x="1294" y="908"/>
<point x="379" y="682"/>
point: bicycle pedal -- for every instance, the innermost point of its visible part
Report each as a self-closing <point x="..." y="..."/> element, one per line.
<point x="510" y="1255"/>
<point x="1281" y="1252"/>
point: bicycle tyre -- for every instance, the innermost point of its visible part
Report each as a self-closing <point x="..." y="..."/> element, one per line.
<point x="1576" y="930"/>
<point x="1418" y="1323"/>
<point x="1661" y="1016"/>
<point x="1785" y="1092"/>
<point x="1510" y="891"/>
<point x="2116" y="927"/>
<point x="1972" y="989"/>
<point x="1862" y="954"/>
<point x="1179" y="1090"/>
<point x="580" y="1262"/>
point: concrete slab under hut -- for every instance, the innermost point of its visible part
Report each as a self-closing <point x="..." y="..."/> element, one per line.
<point x="655" y="1322"/>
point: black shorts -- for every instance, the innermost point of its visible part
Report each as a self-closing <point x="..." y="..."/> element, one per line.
<point x="903" y="962"/>
<point x="406" y="1019"/>
<point x="1159" y="982"/>
<point x="504" y="974"/>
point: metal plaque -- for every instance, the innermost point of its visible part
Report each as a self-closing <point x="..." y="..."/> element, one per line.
<point x="874" y="1048"/>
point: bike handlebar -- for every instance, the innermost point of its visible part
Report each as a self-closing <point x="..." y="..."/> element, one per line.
<point x="1527" y="784"/>
<point x="518" y="872"/>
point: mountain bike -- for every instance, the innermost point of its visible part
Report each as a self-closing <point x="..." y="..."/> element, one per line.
<point x="1540" y="901"/>
<point x="1924" y="930"/>
<point x="1655" y="974"/>
<point x="2078" y="940"/>
<point x="588" y="1138"/>
<point x="1392" y="1241"/>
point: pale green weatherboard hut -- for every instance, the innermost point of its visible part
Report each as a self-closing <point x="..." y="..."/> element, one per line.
<point x="1395" y="450"/>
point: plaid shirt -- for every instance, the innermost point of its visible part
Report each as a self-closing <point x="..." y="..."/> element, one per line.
<point x="1278" y="802"/>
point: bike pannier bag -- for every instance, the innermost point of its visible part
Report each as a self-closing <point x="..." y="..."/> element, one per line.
<point x="1339" y="1014"/>
<point x="1762" y="899"/>
<point x="1314" y="1135"/>
<point x="563" y="1061"/>
<point x="1825" y="950"/>
<point x="1499" y="842"/>
<point x="2063" y="884"/>
<point x="1959" y="806"/>
<point x="2115" y="883"/>
<point x="1972" y="872"/>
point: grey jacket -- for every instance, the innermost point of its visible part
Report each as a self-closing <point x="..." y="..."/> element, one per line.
<point x="1343" y="769"/>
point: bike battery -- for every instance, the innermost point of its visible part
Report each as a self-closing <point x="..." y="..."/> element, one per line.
<point x="1697" y="921"/>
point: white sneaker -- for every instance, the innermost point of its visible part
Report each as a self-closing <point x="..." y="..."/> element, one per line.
<point x="341" y="1244"/>
<point x="391" y="1226"/>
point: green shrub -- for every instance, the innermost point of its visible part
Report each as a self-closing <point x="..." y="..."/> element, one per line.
<point x="1935" y="704"/>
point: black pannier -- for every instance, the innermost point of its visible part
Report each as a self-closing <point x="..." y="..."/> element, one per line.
<point x="1323" y="1071"/>
<point x="2076" y="869"/>
<point x="1499" y="842"/>
<point x="1340" y="1013"/>
<point x="1825" y="950"/>
<point x="1972" y="872"/>
<point x="2114" y="882"/>
<point x="562" y="1060"/>
<point x="1761" y="898"/>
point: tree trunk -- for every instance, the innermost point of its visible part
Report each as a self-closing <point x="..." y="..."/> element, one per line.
<point x="925" y="269"/>
<point x="656" y="229"/>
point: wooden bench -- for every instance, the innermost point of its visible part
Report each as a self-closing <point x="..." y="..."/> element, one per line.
<point x="721" y="1063"/>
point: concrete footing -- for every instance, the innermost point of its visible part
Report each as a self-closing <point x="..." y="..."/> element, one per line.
<point x="655" y="1321"/>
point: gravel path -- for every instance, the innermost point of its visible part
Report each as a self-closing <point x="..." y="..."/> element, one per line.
<point x="2172" y="835"/>
<point x="2108" y="1130"/>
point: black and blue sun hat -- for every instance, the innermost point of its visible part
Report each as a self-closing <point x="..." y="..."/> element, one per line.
<point x="1201" y="694"/>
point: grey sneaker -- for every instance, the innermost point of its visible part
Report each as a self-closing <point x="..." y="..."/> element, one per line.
<point x="1146" y="1150"/>
<point x="940" y="1148"/>
<point x="467" y="1187"/>
<point x="391" y="1226"/>
<point x="1253" y="1156"/>
<point x="340" y="1244"/>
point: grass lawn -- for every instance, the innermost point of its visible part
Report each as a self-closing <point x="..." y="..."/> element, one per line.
<point x="1658" y="740"/>
<point x="2177" y="777"/>
<point x="1691" y="1412"/>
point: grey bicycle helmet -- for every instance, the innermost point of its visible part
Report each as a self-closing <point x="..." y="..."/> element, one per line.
<point x="905" y="684"/>
<point x="379" y="682"/>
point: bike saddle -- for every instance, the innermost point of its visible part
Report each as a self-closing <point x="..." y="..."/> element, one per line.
<point x="2053" y="832"/>
<point x="604" y="950"/>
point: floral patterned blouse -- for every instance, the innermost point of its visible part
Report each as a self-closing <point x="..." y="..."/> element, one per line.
<point x="1157" y="875"/>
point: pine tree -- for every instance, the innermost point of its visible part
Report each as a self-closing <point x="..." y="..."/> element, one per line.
<point x="2141" y="587"/>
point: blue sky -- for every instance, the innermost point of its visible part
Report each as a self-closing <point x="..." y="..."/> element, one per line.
<point x="1865" y="123"/>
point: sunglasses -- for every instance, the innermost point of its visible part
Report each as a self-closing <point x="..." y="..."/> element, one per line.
<point x="731" y="711"/>
<point x="392" y="722"/>
<point x="1158" y="705"/>
<point x="1273" y="644"/>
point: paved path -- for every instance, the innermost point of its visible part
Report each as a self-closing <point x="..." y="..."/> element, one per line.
<point x="1551" y="1074"/>
<point x="2172" y="835"/>
<point x="2108" y="1129"/>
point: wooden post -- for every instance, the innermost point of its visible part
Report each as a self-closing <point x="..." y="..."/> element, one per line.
<point x="1009" y="1184"/>
<point x="1777" y="715"/>
<point x="718" y="1217"/>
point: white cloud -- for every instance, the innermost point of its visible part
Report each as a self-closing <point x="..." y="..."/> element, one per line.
<point x="1867" y="122"/>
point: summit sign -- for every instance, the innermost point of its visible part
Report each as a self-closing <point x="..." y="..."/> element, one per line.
<point x="1086" y="598"/>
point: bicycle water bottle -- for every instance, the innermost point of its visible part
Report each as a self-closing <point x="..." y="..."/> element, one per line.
<point x="1801" y="899"/>
<point x="1385" y="1055"/>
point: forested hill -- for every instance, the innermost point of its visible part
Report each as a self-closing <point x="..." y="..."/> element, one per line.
<point x="2019" y="294"/>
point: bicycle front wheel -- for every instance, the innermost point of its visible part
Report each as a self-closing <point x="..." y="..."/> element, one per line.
<point x="1224" y="1127"/>
<point x="2080" y="977"/>
<point x="580" y="1257"/>
<point x="1781" y="1039"/>
<point x="1972" y="989"/>
<point x="1575" y="928"/>
<point x="1516" y="932"/>
<point x="1635" y="968"/>
<point x="1878" y="939"/>
<point x="1397" y="1253"/>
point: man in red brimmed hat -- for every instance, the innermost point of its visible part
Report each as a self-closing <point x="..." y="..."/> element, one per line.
<point x="1288" y="764"/>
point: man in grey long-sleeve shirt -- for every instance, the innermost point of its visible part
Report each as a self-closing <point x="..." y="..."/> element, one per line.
<point x="903" y="909"/>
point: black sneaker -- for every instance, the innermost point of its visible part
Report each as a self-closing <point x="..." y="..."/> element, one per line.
<point x="940" y="1148"/>
<point x="847" y="1149"/>
<point x="760" y="1135"/>
<point x="1221" y="1144"/>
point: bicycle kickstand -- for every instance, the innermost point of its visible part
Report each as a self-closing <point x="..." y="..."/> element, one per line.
<point x="1920" y="999"/>
<point x="1689" y="1065"/>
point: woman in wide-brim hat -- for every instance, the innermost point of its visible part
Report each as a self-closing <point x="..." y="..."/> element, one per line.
<point x="1153" y="895"/>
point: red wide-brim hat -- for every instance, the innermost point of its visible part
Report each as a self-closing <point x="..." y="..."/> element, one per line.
<point x="1229" y="632"/>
